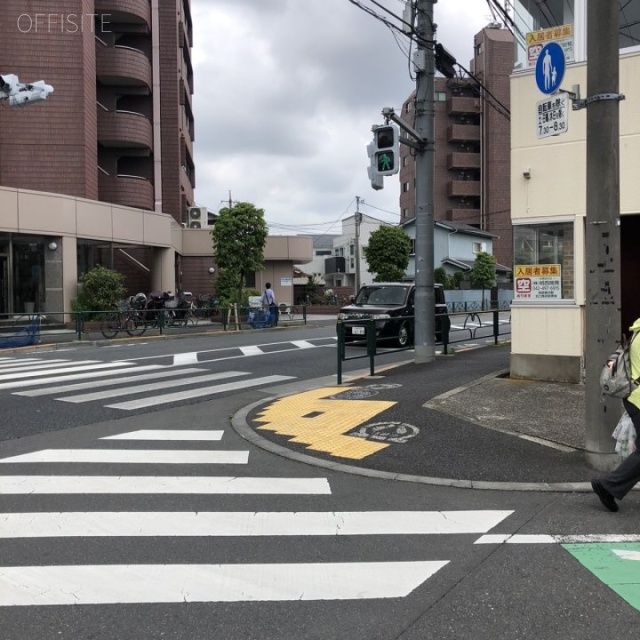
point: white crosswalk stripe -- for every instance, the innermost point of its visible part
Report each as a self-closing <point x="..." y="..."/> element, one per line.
<point x="34" y="378"/>
<point x="49" y="583"/>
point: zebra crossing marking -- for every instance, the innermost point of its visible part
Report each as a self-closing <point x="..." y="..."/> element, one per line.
<point x="66" y="388"/>
<point x="196" y="485"/>
<point x="79" y="376"/>
<point x="131" y="456"/>
<point x="152" y="401"/>
<point x="179" y="583"/>
<point x="169" y="434"/>
<point x="71" y="368"/>
<point x="152" y="386"/>
<point x="246" y="523"/>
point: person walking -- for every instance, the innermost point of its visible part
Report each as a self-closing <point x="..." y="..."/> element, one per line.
<point x="616" y="484"/>
<point x="269" y="301"/>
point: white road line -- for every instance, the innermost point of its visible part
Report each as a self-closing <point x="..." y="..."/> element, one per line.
<point x="180" y="359"/>
<point x="248" y="523"/>
<point x="27" y="362"/>
<point x="169" y="434"/>
<point x="72" y="369"/>
<point x="152" y="386"/>
<point x="165" y="373"/>
<point x="303" y="344"/>
<point x="80" y="376"/>
<point x="197" y="393"/>
<point x="544" y="538"/>
<point x="197" y="485"/>
<point x="149" y="583"/>
<point x="132" y="456"/>
<point x="251" y="351"/>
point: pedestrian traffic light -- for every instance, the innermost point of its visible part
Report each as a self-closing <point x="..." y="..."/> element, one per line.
<point x="377" y="181"/>
<point x="386" y="145"/>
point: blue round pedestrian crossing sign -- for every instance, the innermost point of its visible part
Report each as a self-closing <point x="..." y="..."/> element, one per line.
<point x="550" y="68"/>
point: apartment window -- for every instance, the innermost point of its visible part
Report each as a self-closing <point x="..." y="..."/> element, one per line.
<point x="352" y="250"/>
<point x="413" y="246"/>
<point x="323" y="252"/>
<point x="352" y="263"/>
<point x="405" y="187"/>
<point x="440" y="96"/>
<point x="544" y="264"/>
<point x="479" y="247"/>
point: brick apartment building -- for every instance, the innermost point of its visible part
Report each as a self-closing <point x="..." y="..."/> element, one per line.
<point x="472" y="145"/>
<point x="103" y="170"/>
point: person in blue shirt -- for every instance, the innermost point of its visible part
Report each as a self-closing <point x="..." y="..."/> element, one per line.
<point x="269" y="301"/>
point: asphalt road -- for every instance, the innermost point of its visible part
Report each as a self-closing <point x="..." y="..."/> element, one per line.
<point x="163" y="522"/>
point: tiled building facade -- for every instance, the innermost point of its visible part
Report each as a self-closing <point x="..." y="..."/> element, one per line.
<point x="120" y="128"/>
<point x="472" y="145"/>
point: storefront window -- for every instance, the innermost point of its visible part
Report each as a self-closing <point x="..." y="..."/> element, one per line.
<point x="92" y="253"/>
<point x="544" y="265"/>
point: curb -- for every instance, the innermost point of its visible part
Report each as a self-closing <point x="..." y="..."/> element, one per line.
<point x="244" y="430"/>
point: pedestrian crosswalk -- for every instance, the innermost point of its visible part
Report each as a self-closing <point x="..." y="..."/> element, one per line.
<point x="79" y="382"/>
<point x="88" y="580"/>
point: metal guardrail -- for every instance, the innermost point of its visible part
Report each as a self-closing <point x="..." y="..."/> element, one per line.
<point x="455" y="328"/>
<point x="24" y="329"/>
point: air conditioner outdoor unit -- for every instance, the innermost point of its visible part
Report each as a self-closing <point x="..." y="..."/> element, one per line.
<point x="198" y="218"/>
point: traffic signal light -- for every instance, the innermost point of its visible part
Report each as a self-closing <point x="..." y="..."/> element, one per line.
<point x="386" y="146"/>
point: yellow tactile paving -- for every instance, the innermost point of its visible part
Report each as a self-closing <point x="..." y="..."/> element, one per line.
<point x="312" y="418"/>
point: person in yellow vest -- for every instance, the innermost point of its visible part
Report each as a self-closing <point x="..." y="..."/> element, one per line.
<point x="616" y="484"/>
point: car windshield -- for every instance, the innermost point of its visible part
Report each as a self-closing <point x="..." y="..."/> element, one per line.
<point x="382" y="295"/>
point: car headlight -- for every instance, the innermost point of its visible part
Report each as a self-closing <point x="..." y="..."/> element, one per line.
<point x="343" y="316"/>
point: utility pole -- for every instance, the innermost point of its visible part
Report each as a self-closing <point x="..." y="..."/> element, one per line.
<point x="603" y="316"/>
<point x="358" y="220"/>
<point x="425" y="323"/>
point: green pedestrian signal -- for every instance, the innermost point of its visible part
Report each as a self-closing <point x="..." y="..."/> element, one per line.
<point x="386" y="147"/>
<point x="385" y="161"/>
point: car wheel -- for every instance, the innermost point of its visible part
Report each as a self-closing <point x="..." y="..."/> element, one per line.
<point x="404" y="335"/>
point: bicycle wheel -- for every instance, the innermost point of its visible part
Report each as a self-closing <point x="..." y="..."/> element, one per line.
<point x="110" y="326"/>
<point x="135" y="325"/>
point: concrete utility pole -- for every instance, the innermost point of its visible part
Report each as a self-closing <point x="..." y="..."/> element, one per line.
<point x="358" y="220"/>
<point x="603" y="317"/>
<point x="425" y="321"/>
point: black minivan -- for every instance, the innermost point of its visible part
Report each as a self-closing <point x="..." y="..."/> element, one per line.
<point x="391" y="305"/>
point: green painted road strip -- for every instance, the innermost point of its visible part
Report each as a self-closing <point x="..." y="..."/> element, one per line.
<point x="616" y="564"/>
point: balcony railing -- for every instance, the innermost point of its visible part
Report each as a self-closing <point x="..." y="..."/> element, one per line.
<point x="461" y="160"/>
<point x="123" y="12"/>
<point x="464" y="216"/>
<point x="463" y="188"/>
<point x="463" y="133"/>
<point x="122" y="66"/>
<point x="125" y="190"/>
<point x="459" y="104"/>
<point x="124" y="129"/>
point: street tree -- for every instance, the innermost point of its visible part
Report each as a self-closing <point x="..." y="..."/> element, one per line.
<point x="483" y="272"/>
<point x="239" y="237"/>
<point x="387" y="253"/>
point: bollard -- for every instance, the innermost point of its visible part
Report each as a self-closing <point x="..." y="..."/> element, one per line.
<point x="340" y="349"/>
<point x="161" y="320"/>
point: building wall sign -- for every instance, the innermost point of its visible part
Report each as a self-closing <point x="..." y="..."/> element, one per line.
<point x="536" y="40"/>
<point x="537" y="282"/>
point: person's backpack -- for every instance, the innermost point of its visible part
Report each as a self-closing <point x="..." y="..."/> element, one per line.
<point x="615" y="378"/>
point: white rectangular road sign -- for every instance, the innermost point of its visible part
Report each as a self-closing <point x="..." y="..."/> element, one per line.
<point x="552" y="115"/>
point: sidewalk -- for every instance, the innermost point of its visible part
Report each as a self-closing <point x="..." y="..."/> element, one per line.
<point x="456" y="421"/>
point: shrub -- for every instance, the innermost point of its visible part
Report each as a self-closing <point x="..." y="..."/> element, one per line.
<point x="100" y="289"/>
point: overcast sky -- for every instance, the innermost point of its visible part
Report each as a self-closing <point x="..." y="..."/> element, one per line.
<point x="285" y="95"/>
